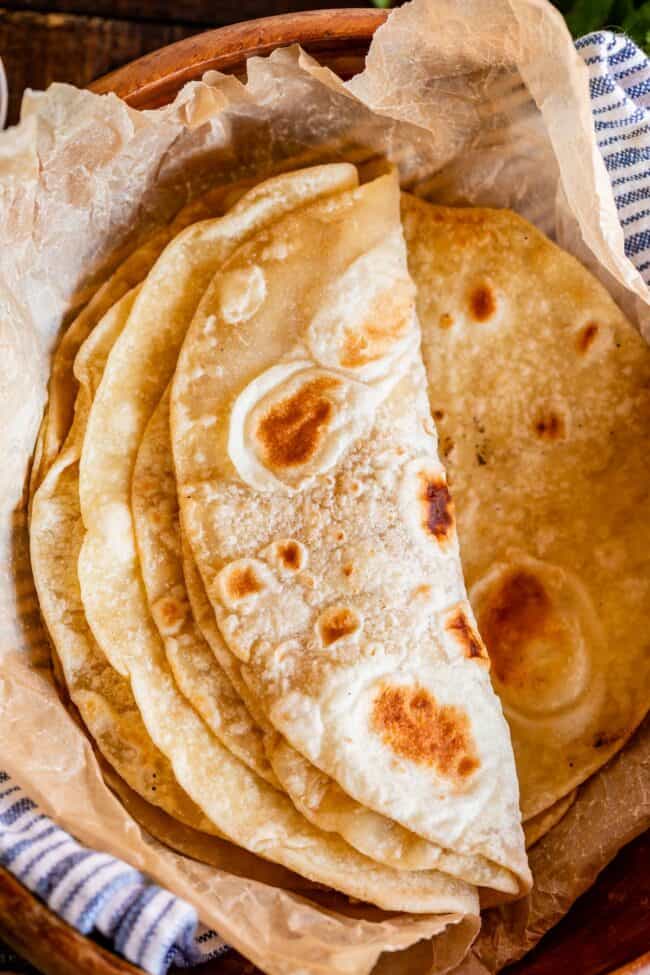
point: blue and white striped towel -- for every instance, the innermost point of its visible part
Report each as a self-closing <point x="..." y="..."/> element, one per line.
<point x="93" y="891"/>
<point x="619" y="85"/>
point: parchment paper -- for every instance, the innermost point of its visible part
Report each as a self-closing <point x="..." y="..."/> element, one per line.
<point x="476" y="103"/>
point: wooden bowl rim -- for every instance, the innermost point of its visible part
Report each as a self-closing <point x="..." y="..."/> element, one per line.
<point x="155" y="78"/>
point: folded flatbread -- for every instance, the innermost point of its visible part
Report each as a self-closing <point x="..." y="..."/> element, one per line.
<point x="242" y="805"/>
<point x="317" y="511"/>
<point x="102" y="696"/>
<point x="207" y="673"/>
<point x="195" y="669"/>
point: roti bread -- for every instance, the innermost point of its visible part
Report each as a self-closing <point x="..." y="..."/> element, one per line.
<point x="541" y="392"/>
<point x="103" y="698"/>
<point x="62" y="388"/>
<point x="201" y="678"/>
<point x="304" y="448"/>
<point x="242" y="805"/>
<point x="158" y="533"/>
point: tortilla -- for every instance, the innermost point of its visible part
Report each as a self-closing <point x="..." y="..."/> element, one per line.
<point x="204" y="683"/>
<point x="541" y="391"/>
<point x="318" y="515"/>
<point x="539" y="825"/>
<point x="318" y="797"/>
<point x="103" y="698"/>
<point x="207" y="624"/>
<point x="128" y="396"/>
<point x="201" y="847"/>
<point x="201" y="678"/>
<point x="240" y="804"/>
<point x="323" y="802"/>
<point x="157" y="526"/>
<point x="62" y="388"/>
<point x="205" y="619"/>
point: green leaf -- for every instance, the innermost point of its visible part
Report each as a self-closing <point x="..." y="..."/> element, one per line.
<point x="621" y="10"/>
<point x="587" y="15"/>
<point x="382" y="3"/>
<point x="637" y="25"/>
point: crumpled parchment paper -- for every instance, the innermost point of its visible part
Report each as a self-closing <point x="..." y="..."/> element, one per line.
<point x="473" y="109"/>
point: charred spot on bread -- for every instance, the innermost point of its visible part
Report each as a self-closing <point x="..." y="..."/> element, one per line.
<point x="586" y="337"/>
<point x="549" y="425"/>
<point x="292" y="430"/>
<point x="482" y="302"/>
<point x="412" y="723"/>
<point x="336" y="623"/>
<point x="437" y="506"/>
<point x="469" y="641"/>
<point x="518" y="612"/>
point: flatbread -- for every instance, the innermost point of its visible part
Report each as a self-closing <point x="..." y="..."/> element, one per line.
<point x="241" y="804"/>
<point x="318" y="516"/>
<point x="541" y="391"/>
<point x="195" y="670"/>
<point x="205" y="619"/>
<point x="539" y="825"/>
<point x="201" y="678"/>
<point x="201" y="847"/>
<point x="62" y="388"/>
<point x="103" y="698"/>
<point x="127" y="397"/>
<point x="316" y="795"/>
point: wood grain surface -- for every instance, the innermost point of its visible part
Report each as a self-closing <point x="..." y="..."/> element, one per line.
<point x="42" y="41"/>
<point x="39" y="48"/>
<point x="199" y="12"/>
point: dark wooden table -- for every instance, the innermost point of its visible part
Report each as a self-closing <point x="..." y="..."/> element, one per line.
<point x="78" y="40"/>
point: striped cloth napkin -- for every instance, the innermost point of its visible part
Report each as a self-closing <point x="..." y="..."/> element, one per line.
<point x="619" y="85"/>
<point x="96" y="892"/>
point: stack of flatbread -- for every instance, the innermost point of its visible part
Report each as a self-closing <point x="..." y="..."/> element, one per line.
<point x="249" y="506"/>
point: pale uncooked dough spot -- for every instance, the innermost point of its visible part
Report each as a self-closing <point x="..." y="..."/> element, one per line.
<point x="117" y="531"/>
<point x="242" y="292"/>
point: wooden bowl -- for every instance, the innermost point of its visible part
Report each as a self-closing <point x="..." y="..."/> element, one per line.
<point x="610" y="925"/>
<point x="338" y="38"/>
